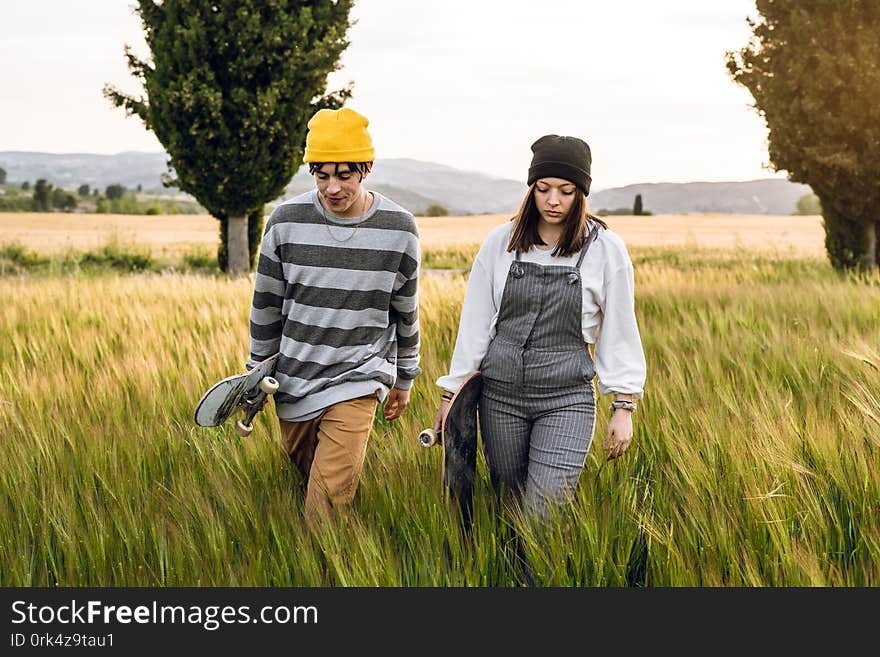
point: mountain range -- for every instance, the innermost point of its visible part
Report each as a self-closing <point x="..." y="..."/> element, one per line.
<point x="415" y="185"/>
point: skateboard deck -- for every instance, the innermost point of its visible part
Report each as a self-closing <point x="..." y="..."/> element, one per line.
<point x="242" y="391"/>
<point x="458" y="436"/>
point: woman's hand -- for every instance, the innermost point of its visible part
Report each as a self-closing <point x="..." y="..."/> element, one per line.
<point x="620" y="431"/>
<point x="441" y="415"/>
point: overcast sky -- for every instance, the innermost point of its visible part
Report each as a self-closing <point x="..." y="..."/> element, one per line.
<point x="468" y="83"/>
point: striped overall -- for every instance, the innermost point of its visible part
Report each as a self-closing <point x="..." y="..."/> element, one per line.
<point x="538" y="406"/>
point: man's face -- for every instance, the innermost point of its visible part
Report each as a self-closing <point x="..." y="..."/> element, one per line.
<point x="341" y="189"/>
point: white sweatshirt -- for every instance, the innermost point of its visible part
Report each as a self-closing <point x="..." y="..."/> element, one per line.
<point x="607" y="320"/>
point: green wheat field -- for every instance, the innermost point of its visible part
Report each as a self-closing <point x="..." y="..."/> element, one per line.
<point x="755" y="461"/>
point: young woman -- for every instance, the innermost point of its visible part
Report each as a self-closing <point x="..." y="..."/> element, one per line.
<point x="541" y="288"/>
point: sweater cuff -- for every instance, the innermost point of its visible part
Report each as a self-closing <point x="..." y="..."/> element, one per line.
<point x="403" y="384"/>
<point x="450" y="382"/>
<point x="637" y="394"/>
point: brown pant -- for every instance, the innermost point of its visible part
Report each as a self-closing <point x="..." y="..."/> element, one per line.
<point x="329" y="452"/>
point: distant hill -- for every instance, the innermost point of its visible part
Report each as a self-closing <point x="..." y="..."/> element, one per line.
<point x="74" y="169"/>
<point x="770" y="196"/>
<point x="416" y="185"/>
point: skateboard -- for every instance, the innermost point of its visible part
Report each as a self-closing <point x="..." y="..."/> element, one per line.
<point x="458" y="436"/>
<point x="246" y="391"/>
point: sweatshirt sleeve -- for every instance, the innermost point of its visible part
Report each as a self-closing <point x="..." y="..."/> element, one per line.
<point x="405" y="307"/>
<point x="266" y="320"/>
<point x="473" y="338"/>
<point x="620" y="360"/>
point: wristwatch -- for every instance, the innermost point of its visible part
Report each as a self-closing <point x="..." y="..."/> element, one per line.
<point x="622" y="403"/>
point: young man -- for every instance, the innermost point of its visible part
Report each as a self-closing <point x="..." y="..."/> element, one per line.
<point x="336" y="293"/>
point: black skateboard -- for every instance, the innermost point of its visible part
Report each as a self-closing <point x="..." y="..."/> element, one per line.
<point x="458" y="436"/>
<point x="246" y="391"/>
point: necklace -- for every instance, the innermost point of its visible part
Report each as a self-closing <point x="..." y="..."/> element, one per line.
<point x="353" y="230"/>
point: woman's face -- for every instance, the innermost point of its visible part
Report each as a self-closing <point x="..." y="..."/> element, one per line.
<point x="554" y="198"/>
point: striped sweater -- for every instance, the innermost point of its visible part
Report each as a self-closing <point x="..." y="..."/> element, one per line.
<point x="338" y="298"/>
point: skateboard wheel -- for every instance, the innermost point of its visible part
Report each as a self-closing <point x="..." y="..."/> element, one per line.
<point x="428" y="438"/>
<point x="269" y="385"/>
<point x="242" y="429"/>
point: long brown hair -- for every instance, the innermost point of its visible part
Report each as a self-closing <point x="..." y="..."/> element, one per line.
<point x="525" y="226"/>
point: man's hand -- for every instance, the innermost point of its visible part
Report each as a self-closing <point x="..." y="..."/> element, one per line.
<point x="396" y="403"/>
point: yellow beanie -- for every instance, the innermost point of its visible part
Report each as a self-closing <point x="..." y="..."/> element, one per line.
<point x="338" y="136"/>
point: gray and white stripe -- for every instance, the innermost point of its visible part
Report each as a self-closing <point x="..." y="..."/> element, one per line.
<point x="342" y="313"/>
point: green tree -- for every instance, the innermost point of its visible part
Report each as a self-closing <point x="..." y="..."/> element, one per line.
<point x="228" y="92"/>
<point x="83" y="190"/>
<point x="42" y="196"/>
<point x="25" y="186"/>
<point x="436" y="210"/>
<point x="2" y="176"/>
<point x="63" y="200"/>
<point x="58" y="195"/>
<point x="811" y="67"/>
<point x="637" y="205"/>
<point x="114" y="192"/>
<point x="808" y="204"/>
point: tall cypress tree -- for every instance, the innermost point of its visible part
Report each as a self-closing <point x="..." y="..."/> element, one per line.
<point x="42" y="196"/>
<point x="229" y="90"/>
<point x="812" y="68"/>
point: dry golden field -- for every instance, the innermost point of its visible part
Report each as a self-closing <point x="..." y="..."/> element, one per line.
<point x="164" y="234"/>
